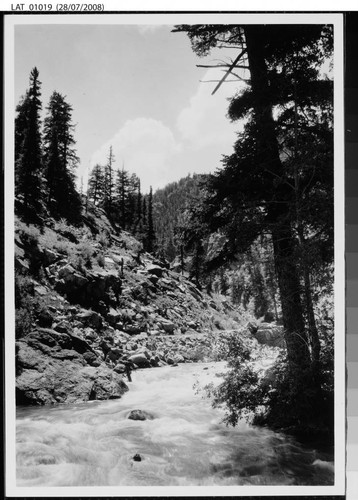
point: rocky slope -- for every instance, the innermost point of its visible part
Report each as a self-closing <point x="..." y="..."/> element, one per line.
<point x="88" y="299"/>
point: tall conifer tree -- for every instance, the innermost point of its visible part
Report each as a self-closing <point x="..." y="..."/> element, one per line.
<point x="96" y="184"/>
<point x="61" y="160"/>
<point x="150" y="234"/>
<point x="109" y="184"/>
<point x="30" y="185"/>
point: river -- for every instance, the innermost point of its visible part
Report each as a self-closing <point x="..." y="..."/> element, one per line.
<point x="93" y="444"/>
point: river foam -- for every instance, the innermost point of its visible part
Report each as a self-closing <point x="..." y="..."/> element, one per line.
<point x="93" y="444"/>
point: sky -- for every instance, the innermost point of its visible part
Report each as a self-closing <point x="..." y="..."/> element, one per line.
<point x="135" y="88"/>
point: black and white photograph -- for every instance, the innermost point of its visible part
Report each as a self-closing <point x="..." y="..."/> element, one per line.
<point x="175" y="254"/>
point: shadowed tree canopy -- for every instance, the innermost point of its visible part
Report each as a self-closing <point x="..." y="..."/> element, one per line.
<point x="282" y="162"/>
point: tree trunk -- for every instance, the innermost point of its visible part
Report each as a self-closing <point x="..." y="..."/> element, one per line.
<point x="283" y="242"/>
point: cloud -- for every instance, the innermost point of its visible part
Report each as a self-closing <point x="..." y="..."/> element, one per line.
<point x="159" y="155"/>
<point x="204" y="123"/>
<point x="144" y="146"/>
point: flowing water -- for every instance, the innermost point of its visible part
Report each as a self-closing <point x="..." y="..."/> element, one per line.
<point x="93" y="444"/>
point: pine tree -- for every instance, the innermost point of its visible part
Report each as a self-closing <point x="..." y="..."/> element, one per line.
<point x="150" y="235"/>
<point x="133" y="201"/>
<point x="96" y="184"/>
<point x="21" y="121"/>
<point x="30" y="183"/>
<point x="109" y="184"/>
<point x="61" y="160"/>
<point x="122" y="193"/>
<point x="138" y="211"/>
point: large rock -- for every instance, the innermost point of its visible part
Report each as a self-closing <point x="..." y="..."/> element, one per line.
<point x="113" y="316"/>
<point x="133" y="329"/>
<point x="155" y="270"/>
<point x="270" y="334"/>
<point x="140" y="415"/>
<point x="140" y="360"/>
<point x="168" y="326"/>
<point x="71" y="276"/>
<point x="90" y="318"/>
<point x="97" y="286"/>
<point x="49" y="256"/>
<point x="56" y="375"/>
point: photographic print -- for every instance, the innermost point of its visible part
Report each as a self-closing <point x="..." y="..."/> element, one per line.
<point x="175" y="261"/>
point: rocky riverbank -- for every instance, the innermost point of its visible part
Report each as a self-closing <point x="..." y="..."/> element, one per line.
<point x="88" y="299"/>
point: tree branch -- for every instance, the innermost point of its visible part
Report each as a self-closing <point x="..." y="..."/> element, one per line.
<point x="232" y="66"/>
<point x="221" y="66"/>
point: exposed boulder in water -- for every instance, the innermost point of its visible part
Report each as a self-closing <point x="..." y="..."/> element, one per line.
<point x="140" y="415"/>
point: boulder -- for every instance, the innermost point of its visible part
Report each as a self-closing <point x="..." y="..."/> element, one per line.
<point x="49" y="256"/>
<point x="45" y="318"/>
<point x="133" y="329"/>
<point x="154" y="361"/>
<point x="140" y="415"/>
<point x="178" y="358"/>
<point x="80" y="345"/>
<point x="155" y="270"/>
<point x="168" y="326"/>
<point x="48" y="337"/>
<point x="270" y="334"/>
<point x="108" y="384"/>
<point x="120" y="368"/>
<point x="61" y="327"/>
<point x="91" y="319"/>
<point x="141" y="360"/>
<point x="61" y="376"/>
<point x="114" y="355"/>
<point x="91" y="358"/>
<point x="113" y="316"/>
<point x="153" y="279"/>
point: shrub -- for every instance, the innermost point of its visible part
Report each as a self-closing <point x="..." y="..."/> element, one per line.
<point x="286" y="398"/>
<point x="104" y="239"/>
<point x="29" y="236"/>
<point x="64" y="247"/>
<point x="86" y="254"/>
<point x="24" y="305"/>
<point x="62" y="226"/>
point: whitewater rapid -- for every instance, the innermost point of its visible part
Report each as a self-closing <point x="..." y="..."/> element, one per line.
<point x="93" y="444"/>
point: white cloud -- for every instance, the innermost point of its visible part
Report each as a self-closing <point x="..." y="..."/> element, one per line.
<point x="204" y="122"/>
<point x="150" y="149"/>
<point x="146" y="147"/>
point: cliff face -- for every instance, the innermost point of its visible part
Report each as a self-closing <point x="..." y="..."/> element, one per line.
<point x="88" y="300"/>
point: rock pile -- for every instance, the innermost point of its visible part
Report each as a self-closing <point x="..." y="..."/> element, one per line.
<point x="93" y="320"/>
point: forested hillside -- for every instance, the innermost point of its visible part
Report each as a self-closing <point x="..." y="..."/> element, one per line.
<point x="170" y="207"/>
